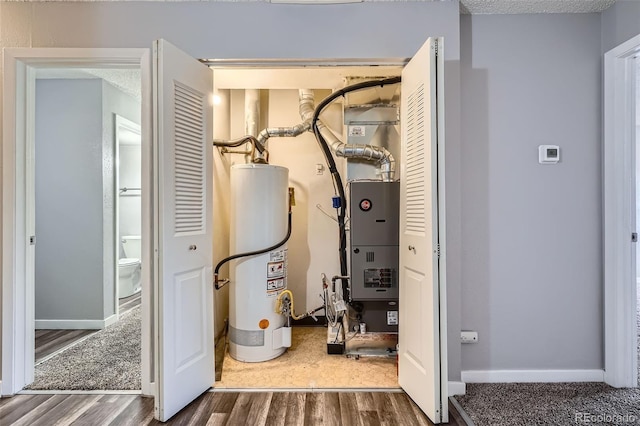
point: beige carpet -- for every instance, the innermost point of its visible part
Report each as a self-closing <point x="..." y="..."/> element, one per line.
<point x="106" y="360"/>
<point x="306" y="365"/>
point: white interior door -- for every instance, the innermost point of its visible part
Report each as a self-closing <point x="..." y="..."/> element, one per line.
<point x="183" y="115"/>
<point x="421" y="347"/>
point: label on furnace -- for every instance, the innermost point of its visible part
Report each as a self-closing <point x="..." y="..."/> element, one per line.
<point x="357" y="131"/>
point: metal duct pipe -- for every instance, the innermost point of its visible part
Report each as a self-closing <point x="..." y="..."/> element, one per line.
<point x="252" y="121"/>
<point x="251" y="111"/>
<point x="296" y="130"/>
<point x="306" y="112"/>
<point x="378" y="154"/>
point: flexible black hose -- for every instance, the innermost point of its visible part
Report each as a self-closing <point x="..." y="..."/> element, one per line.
<point x="240" y="141"/>
<point x="342" y="249"/>
<point x="250" y="253"/>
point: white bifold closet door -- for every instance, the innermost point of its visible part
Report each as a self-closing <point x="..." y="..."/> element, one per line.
<point x="183" y="120"/>
<point x="421" y="336"/>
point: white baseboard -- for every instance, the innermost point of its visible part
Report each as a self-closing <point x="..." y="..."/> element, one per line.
<point x="111" y="320"/>
<point x="75" y="324"/>
<point x="149" y="389"/>
<point x="457" y="388"/>
<point x="532" y="376"/>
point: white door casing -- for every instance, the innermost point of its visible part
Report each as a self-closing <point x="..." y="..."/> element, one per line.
<point x="17" y="203"/>
<point x="620" y="333"/>
<point x="183" y="118"/>
<point x="422" y="341"/>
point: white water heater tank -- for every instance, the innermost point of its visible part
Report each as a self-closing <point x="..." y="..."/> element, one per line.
<point x="259" y="208"/>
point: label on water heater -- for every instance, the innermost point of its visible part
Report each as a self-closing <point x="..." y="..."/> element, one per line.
<point x="273" y="286"/>
<point x="275" y="269"/>
<point x="276" y="272"/>
<point x="392" y="317"/>
<point x="278" y="255"/>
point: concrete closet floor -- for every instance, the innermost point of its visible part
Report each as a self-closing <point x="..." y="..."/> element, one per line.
<point x="306" y="365"/>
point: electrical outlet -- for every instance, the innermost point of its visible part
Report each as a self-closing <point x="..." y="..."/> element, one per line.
<point x="469" y="336"/>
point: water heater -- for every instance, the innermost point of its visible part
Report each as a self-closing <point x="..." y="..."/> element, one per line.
<point x="259" y="208"/>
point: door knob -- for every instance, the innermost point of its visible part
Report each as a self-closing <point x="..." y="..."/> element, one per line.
<point x="192" y="247"/>
<point x="412" y="248"/>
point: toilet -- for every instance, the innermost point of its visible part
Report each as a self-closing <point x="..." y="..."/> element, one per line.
<point x="129" y="266"/>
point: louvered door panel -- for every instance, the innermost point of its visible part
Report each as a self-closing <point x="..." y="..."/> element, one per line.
<point x="415" y="180"/>
<point x="184" y="290"/>
<point x="422" y="347"/>
<point x="189" y="160"/>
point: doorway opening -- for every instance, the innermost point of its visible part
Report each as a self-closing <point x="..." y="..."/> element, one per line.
<point x="60" y="140"/>
<point x="185" y="91"/>
<point x="359" y="352"/>
<point x="87" y="299"/>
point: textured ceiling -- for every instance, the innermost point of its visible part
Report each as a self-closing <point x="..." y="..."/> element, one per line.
<point x="488" y="7"/>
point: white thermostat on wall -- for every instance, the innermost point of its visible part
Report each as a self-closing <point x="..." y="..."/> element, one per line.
<point x="548" y="154"/>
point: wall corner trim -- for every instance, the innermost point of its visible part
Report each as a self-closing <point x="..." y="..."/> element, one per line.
<point x="532" y="376"/>
<point x="457" y="388"/>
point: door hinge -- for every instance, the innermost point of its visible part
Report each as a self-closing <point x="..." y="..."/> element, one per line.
<point x="634" y="237"/>
<point x="32" y="240"/>
<point x="438" y="250"/>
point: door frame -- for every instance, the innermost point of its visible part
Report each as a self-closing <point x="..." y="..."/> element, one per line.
<point x="619" y="206"/>
<point x="20" y="64"/>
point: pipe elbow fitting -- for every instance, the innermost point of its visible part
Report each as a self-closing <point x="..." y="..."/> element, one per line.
<point x="387" y="166"/>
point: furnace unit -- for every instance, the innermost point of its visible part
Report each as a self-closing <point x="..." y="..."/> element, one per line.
<point x="374" y="230"/>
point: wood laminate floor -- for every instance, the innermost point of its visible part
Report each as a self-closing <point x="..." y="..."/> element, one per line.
<point x="224" y="408"/>
<point x="51" y="341"/>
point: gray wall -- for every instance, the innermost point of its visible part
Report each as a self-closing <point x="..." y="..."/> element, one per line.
<point x="75" y="186"/>
<point x="264" y="30"/>
<point x="620" y="22"/>
<point x="69" y="201"/>
<point x="532" y="253"/>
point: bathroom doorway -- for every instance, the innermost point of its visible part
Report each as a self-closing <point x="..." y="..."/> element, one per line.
<point x="128" y="207"/>
<point x="86" y="336"/>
